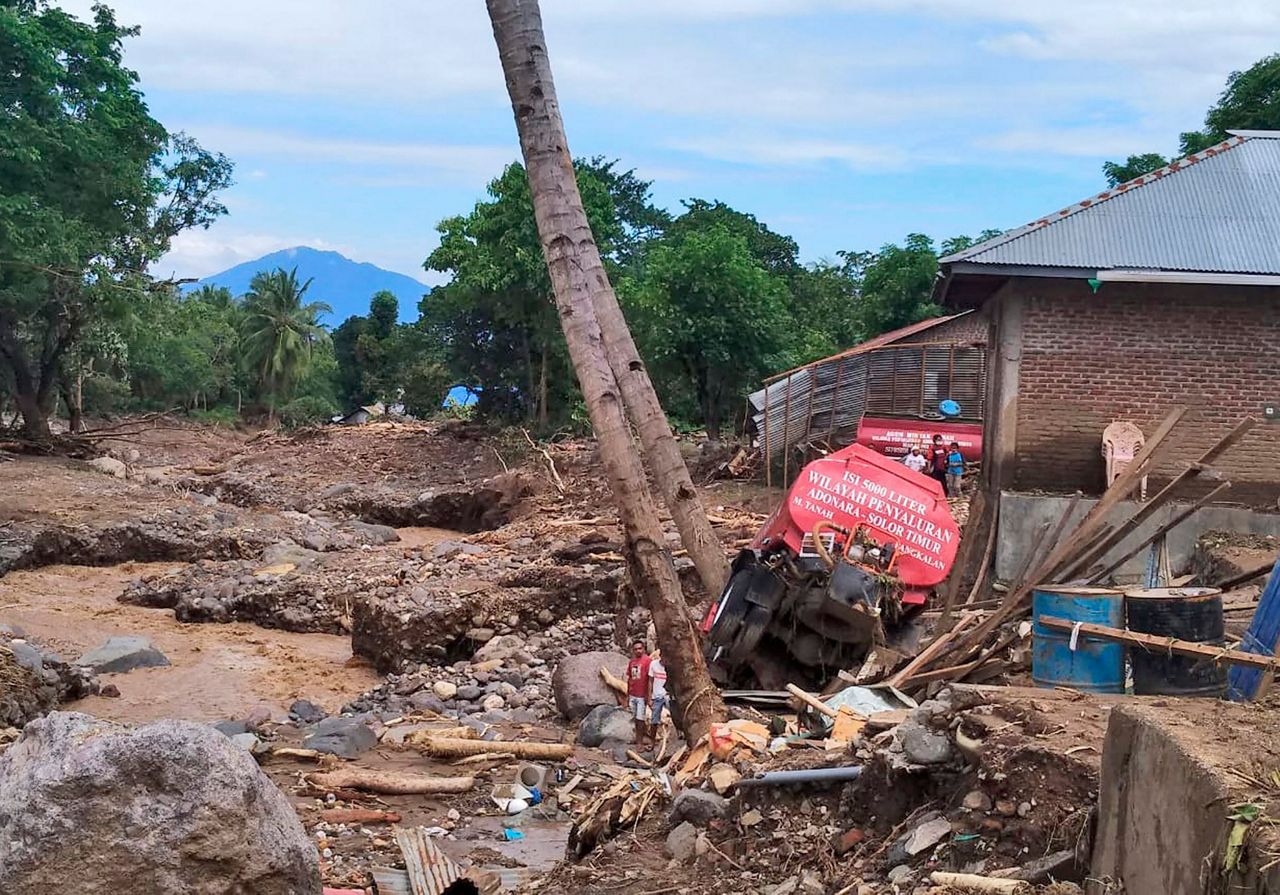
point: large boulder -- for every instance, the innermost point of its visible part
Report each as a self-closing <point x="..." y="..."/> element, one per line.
<point x="345" y="737"/>
<point x="120" y="654"/>
<point x="605" y="722"/>
<point x="578" y="686"/>
<point x="94" y="808"/>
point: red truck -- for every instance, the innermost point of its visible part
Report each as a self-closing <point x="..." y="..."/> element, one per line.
<point x="851" y="553"/>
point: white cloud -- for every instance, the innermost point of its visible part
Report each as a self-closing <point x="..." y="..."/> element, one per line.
<point x="772" y="151"/>
<point x="472" y="161"/>
<point x="199" y="253"/>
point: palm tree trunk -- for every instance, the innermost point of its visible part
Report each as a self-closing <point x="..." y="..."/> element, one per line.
<point x="661" y="451"/>
<point x="573" y="262"/>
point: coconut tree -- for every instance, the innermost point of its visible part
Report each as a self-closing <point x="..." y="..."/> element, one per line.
<point x="280" y="332"/>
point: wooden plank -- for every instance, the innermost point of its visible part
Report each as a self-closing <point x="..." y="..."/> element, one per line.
<point x="1219" y="655"/>
<point x="1232" y="582"/>
<point x="1145" y="511"/>
<point x="931" y="651"/>
<point x="1163" y="529"/>
<point x="968" y="550"/>
<point x="811" y="701"/>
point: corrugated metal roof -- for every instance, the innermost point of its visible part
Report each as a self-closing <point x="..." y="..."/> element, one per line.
<point x="1215" y="211"/>
<point x="875" y="342"/>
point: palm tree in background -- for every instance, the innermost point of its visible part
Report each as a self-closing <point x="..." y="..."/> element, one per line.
<point x="280" y="331"/>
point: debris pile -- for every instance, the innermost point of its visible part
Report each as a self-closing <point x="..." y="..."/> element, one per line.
<point x="35" y="681"/>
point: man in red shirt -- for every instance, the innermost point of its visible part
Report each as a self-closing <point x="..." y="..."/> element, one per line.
<point x="638" y="689"/>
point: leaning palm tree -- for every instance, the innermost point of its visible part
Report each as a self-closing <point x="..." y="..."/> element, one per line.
<point x="280" y="331"/>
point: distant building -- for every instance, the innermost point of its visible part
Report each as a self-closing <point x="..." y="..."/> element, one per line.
<point x="1162" y="291"/>
<point x="885" y="392"/>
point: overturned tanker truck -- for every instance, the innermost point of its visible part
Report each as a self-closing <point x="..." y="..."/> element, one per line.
<point x="843" y="563"/>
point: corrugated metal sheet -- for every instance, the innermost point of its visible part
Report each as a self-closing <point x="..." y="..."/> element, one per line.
<point x="1215" y="211"/>
<point x="824" y="402"/>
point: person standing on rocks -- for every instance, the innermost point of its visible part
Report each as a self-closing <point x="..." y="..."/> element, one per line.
<point x="638" y="689"/>
<point x="657" y="694"/>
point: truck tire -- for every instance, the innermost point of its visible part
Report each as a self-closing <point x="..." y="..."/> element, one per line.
<point x="735" y="609"/>
<point x="753" y="627"/>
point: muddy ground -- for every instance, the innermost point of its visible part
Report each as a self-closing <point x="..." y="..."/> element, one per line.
<point x="430" y="576"/>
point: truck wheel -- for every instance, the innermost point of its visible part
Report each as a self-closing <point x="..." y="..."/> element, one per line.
<point x="735" y="608"/>
<point x="753" y="628"/>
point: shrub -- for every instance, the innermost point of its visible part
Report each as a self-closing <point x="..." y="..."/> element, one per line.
<point x="306" y="411"/>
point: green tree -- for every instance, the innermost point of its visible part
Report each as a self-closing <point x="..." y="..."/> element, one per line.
<point x="280" y="332"/>
<point x="897" y="288"/>
<point x="777" y="254"/>
<point x="495" y="320"/>
<point x="712" y="313"/>
<point x="350" y="370"/>
<point x="1250" y="101"/>
<point x="92" y="188"/>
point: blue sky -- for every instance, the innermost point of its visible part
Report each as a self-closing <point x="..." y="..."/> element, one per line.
<point x="844" y="123"/>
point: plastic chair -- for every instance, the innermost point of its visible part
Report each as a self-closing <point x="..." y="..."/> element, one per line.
<point x="1121" y="442"/>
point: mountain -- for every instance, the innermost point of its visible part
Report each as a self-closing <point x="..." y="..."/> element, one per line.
<point x="343" y="284"/>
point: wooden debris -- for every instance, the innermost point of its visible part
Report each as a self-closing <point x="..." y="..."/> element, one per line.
<point x="454" y="747"/>
<point x="389" y="782"/>
<point x="974" y="883"/>
<point x="358" y="816"/>
<point x="811" y="701"/>
<point x="612" y="681"/>
<point x="496" y="757"/>
<point x="1217" y="654"/>
<point x="622" y="804"/>
<point x="293" y="752"/>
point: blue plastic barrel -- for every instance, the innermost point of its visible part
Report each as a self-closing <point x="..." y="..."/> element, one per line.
<point x="1094" y="665"/>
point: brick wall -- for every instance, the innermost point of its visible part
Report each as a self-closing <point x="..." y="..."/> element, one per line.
<point x="1132" y="351"/>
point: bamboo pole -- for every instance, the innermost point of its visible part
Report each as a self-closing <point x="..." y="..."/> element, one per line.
<point x="1163" y="529"/>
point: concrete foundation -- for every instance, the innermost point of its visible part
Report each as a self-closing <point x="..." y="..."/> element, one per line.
<point x="1165" y="795"/>
<point x="1023" y="515"/>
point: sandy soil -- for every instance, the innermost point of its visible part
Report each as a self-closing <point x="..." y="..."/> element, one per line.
<point x="217" y="671"/>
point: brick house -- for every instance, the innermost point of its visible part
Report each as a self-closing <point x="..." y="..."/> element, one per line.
<point x="1162" y="291"/>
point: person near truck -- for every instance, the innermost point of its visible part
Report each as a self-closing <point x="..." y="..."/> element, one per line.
<point x="955" y="470"/>
<point x="657" y="693"/>
<point x="938" y="463"/>
<point x="914" y="460"/>
<point x="638" y="688"/>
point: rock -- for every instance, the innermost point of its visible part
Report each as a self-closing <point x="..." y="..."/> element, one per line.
<point x="306" y="712"/>
<point x="111" y="691"/>
<point x="336" y="490"/>
<point x="99" y="809"/>
<point x="503" y="647"/>
<point x="285" y="552"/>
<point x="110" y="466"/>
<point x="230" y="728"/>
<point x="1006" y="808"/>
<point x="927" y="835"/>
<point x="375" y="534"/>
<point x="444" y="689"/>
<point x="258" y="716"/>
<point x="682" y="842"/>
<point x="697" y="806"/>
<point x="481" y="635"/>
<point x="977" y="800"/>
<point x="344" y="737"/>
<point x="899" y="874"/>
<point x="723" y="777"/>
<point x="605" y="722"/>
<point x="245" y="741"/>
<point x="470" y="692"/>
<point x="577" y="685"/>
<point x="493" y="702"/>
<point x="1024" y="808"/>
<point x="848" y="840"/>
<point x="448" y="549"/>
<point x="121" y="654"/>
<point x="423" y="701"/>
<point x="751" y="818"/>
<point x="922" y="745"/>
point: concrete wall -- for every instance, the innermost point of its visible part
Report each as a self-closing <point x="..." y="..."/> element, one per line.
<point x="1022" y="515"/>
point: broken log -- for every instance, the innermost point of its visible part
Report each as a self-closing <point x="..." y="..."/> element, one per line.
<point x="358" y="816"/>
<point x="1245" y="577"/>
<point x="612" y="681"/>
<point x="1219" y="655"/>
<point x="390" y="782"/>
<point x="452" y="747"/>
<point x="974" y="883"/>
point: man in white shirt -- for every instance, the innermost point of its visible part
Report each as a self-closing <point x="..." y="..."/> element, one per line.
<point x="657" y="693"/>
<point x="915" y="461"/>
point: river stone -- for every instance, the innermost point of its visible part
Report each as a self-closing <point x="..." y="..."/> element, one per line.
<point x="345" y="737"/>
<point x="120" y="654"/>
<point x="577" y="684"/>
<point x="95" y="808"/>
<point x="605" y="722"/>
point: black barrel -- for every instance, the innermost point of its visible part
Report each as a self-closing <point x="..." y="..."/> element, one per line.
<point x="1185" y="613"/>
